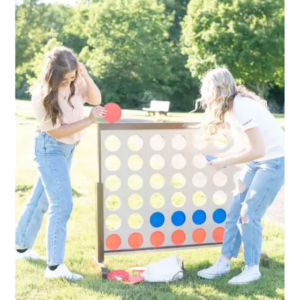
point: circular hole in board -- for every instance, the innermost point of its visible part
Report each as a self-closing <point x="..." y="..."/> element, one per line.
<point x="218" y="234"/>
<point x="199" y="161"/>
<point x="199" y="236"/>
<point x="199" y="142"/>
<point x="220" y="142"/>
<point x="178" y="161"/>
<point x="157" y="162"/>
<point x="112" y="143"/>
<point x="178" y="237"/>
<point x="113" y="222"/>
<point x="219" y="197"/>
<point x="157" y="238"/>
<point x="135" y="221"/>
<point x="135" y="143"/>
<point x="199" y="217"/>
<point x="157" y="219"/>
<point x="178" y="142"/>
<point x="199" y="198"/>
<point x="219" y="216"/>
<point x="178" y="218"/>
<point x="112" y="183"/>
<point x="157" y="181"/>
<point x="199" y="180"/>
<point x="219" y="179"/>
<point x="113" y="202"/>
<point x="236" y="177"/>
<point x="135" y="201"/>
<point x="113" y="242"/>
<point x="135" y="240"/>
<point x="135" y="162"/>
<point x="112" y="163"/>
<point x="178" y="199"/>
<point x="135" y="182"/>
<point x="178" y="180"/>
<point x="157" y="142"/>
<point x="157" y="200"/>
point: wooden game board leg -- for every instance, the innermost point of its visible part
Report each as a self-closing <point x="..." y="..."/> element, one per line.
<point x="264" y="258"/>
<point x="101" y="267"/>
<point x="100" y="231"/>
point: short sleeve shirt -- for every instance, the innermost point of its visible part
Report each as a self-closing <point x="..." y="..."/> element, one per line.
<point x="70" y="114"/>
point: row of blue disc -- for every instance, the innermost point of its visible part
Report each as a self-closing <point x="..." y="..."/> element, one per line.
<point x="178" y="218"/>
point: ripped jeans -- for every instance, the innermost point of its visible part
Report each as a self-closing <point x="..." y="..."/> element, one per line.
<point x="53" y="193"/>
<point x="256" y="190"/>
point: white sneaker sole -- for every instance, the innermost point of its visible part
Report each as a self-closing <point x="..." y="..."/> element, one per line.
<point x="244" y="282"/>
<point x="211" y="276"/>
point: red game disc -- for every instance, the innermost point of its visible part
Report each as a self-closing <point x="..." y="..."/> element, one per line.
<point x="113" y="112"/>
<point x="134" y="279"/>
<point x="118" y="275"/>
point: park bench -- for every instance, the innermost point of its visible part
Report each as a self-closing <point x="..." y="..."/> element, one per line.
<point x="162" y="107"/>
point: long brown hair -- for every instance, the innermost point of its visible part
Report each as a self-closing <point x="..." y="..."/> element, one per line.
<point x="58" y="62"/>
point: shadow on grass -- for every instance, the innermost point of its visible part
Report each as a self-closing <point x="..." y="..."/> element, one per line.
<point x="192" y="287"/>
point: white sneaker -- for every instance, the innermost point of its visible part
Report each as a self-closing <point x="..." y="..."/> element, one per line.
<point x="248" y="275"/>
<point x="221" y="267"/>
<point x="28" y="254"/>
<point x="62" y="272"/>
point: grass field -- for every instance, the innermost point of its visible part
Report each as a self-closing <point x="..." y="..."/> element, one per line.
<point x="81" y="240"/>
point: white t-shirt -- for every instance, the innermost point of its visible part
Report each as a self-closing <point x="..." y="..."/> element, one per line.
<point x="247" y="114"/>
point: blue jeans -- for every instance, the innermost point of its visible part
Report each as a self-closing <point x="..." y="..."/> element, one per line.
<point x="259" y="184"/>
<point x="53" y="193"/>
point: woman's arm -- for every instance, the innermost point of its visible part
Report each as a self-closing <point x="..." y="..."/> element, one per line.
<point x="235" y="149"/>
<point x="67" y="130"/>
<point x="255" y="150"/>
<point x="93" y="93"/>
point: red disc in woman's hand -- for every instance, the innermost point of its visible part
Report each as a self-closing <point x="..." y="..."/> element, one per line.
<point x="113" y="112"/>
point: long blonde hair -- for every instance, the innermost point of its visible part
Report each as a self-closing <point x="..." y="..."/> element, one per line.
<point x="218" y="89"/>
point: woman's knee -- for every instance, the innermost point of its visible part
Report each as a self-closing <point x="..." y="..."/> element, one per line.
<point x="67" y="208"/>
<point x="62" y="209"/>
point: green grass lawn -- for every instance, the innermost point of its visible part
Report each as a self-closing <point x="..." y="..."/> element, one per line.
<point x="81" y="242"/>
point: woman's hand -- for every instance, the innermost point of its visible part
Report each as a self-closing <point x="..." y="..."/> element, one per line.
<point x="218" y="163"/>
<point x="221" y="155"/>
<point x="92" y="92"/>
<point x="82" y="70"/>
<point x="96" y="113"/>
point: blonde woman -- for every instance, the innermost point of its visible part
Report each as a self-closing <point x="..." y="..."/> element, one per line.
<point x="261" y="147"/>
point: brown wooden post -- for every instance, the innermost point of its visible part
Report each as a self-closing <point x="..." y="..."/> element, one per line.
<point x="99" y="223"/>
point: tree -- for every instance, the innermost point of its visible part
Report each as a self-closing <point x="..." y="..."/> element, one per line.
<point x="30" y="36"/>
<point x="128" y="50"/>
<point x="74" y="30"/>
<point x="247" y="36"/>
<point x="38" y="25"/>
<point x="184" y="86"/>
<point x="36" y="64"/>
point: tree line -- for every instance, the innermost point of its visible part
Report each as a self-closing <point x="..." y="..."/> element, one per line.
<point x="139" y="50"/>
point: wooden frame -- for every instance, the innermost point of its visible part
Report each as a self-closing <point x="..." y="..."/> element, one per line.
<point x="100" y="201"/>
